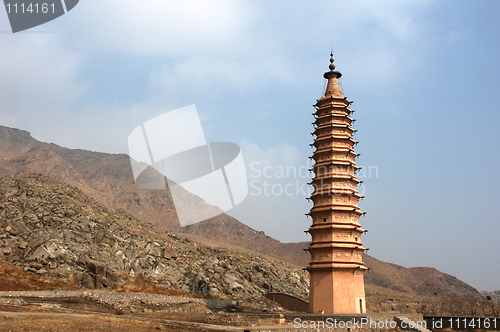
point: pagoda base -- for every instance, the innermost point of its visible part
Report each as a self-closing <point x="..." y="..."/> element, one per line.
<point x="346" y="296"/>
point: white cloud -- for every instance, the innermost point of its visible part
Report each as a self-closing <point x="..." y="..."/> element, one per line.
<point x="39" y="76"/>
<point x="208" y="74"/>
<point x="378" y="39"/>
<point x="173" y="28"/>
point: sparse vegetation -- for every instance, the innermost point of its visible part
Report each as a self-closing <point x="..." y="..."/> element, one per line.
<point x="13" y="277"/>
<point x="491" y="303"/>
<point x="485" y="304"/>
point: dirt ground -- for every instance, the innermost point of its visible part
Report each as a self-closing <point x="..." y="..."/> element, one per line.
<point x="77" y="314"/>
<point x="48" y="317"/>
<point x="40" y="321"/>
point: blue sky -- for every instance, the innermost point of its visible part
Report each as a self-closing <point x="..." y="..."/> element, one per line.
<point x="423" y="76"/>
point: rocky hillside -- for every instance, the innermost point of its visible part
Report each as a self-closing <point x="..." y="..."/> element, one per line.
<point x="108" y="179"/>
<point x="58" y="233"/>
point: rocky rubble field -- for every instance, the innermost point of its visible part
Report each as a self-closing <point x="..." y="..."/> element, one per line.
<point x="56" y="232"/>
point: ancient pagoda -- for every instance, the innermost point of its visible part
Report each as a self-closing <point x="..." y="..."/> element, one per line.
<point x="336" y="267"/>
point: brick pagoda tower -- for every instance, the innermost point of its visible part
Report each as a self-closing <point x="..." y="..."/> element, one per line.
<point x="336" y="267"/>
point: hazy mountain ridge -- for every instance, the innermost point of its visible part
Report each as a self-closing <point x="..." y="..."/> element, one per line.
<point x="108" y="179"/>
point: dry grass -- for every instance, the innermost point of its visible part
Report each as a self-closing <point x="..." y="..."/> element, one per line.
<point x="141" y="285"/>
<point x="13" y="278"/>
<point x="138" y="285"/>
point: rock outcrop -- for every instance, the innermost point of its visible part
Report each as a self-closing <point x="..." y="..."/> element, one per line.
<point x="55" y="231"/>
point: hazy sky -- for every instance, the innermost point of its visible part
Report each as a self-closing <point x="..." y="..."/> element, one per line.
<point x="423" y="75"/>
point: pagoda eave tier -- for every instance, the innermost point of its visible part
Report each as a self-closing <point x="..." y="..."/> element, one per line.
<point x="329" y="154"/>
<point x="330" y="162"/>
<point x="348" y="178"/>
<point x="330" y="139"/>
<point x="337" y="226"/>
<point x="330" y="135"/>
<point x="332" y="108"/>
<point x="337" y="208"/>
<point x="333" y="144"/>
<point x="331" y="99"/>
<point x="341" y="226"/>
<point x="324" y="116"/>
<point x="334" y="168"/>
<point x="335" y="186"/>
<point x="335" y="192"/>
<point x="338" y="266"/>
<point x="350" y="226"/>
<point x="331" y="245"/>
<point x="323" y="123"/>
<point x="328" y="245"/>
<point x="339" y="138"/>
<point x="319" y="158"/>
<point x="349" y="153"/>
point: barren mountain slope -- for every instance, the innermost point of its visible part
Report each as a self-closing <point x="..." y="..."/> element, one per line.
<point x="42" y="159"/>
<point x="14" y="142"/>
<point x="105" y="177"/>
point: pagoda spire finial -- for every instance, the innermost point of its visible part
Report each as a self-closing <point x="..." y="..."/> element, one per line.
<point x="332" y="72"/>
<point x="333" y="88"/>
<point x="331" y="66"/>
